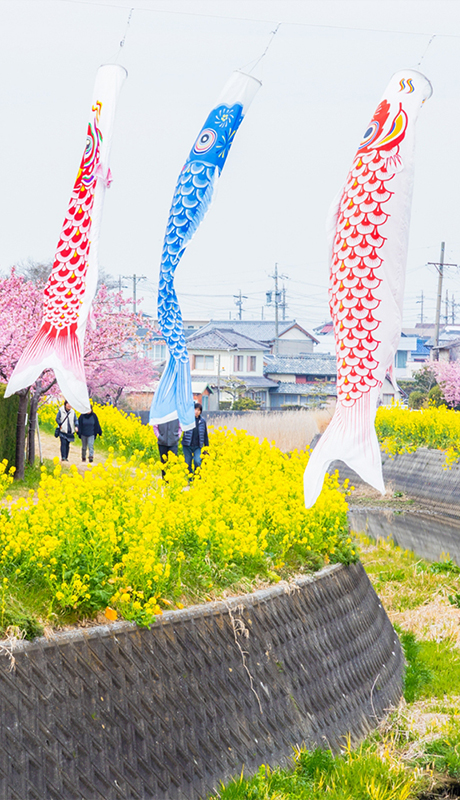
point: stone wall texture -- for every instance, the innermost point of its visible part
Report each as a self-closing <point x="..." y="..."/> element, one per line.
<point x="165" y="713"/>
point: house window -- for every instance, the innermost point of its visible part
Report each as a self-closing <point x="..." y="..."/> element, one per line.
<point x="300" y="378"/>
<point x="158" y="352"/>
<point x="401" y="359"/>
<point x="204" y="362"/>
<point x="251" y="363"/>
<point x="238" y="363"/>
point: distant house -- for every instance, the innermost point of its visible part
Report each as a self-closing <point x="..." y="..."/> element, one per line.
<point x="403" y="368"/>
<point x="154" y="346"/>
<point x="302" y="380"/>
<point x="447" y="350"/>
<point x="293" y="339"/>
<point x="218" y="355"/>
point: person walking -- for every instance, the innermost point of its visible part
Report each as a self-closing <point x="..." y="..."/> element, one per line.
<point x="66" y="420"/>
<point x="168" y="435"/>
<point x="88" y="429"/>
<point x="194" y="440"/>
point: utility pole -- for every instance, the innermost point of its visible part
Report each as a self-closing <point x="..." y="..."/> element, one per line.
<point x="276" y="277"/>
<point x="135" y="279"/>
<point x="446" y="315"/>
<point x="440" y="267"/>
<point x="421" y="307"/>
<point x="218" y="382"/>
<point x="452" y="305"/>
<point x="120" y="287"/>
<point x="283" y="303"/>
<point x="239" y="302"/>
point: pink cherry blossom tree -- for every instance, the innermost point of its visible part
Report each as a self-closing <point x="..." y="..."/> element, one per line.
<point x="448" y="376"/>
<point x="112" y="355"/>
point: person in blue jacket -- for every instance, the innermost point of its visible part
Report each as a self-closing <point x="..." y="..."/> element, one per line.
<point x="194" y="440"/>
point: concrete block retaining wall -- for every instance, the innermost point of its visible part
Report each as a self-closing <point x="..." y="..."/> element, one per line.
<point x="431" y="528"/>
<point x="128" y="713"/>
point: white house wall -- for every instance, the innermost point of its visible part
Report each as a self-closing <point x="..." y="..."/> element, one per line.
<point x="227" y="363"/>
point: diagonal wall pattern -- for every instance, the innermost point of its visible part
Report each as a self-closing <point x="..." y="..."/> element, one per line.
<point x="126" y="713"/>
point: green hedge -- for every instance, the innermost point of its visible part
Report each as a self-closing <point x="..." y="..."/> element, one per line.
<point x="8" y="421"/>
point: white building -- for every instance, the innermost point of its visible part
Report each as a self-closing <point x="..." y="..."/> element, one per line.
<point x="219" y="355"/>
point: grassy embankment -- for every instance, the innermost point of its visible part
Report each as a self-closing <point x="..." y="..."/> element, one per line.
<point x="416" y="751"/>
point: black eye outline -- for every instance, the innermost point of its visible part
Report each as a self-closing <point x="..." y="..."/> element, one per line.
<point x="371" y="133"/>
<point x="209" y="137"/>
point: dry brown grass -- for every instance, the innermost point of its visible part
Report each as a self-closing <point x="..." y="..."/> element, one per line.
<point x="290" y="430"/>
<point x="408" y="730"/>
<point x="435" y="621"/>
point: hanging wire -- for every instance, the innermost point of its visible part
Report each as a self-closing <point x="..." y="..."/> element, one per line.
<point x="257" y="61"/>
<point x="122" y="42"/>
<point x="426" y="49"/>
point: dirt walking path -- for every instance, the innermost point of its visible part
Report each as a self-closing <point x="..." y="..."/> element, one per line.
<point x="51" y="449"/>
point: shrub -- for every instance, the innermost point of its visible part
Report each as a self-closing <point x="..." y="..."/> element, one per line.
<point x="245" y="404"/>
<point x="8" y="421"/>
<point x="417" y="399"/>
<point x="436" y="397"/>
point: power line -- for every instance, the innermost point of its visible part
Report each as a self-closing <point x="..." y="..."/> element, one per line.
<point x="290" y="23"/>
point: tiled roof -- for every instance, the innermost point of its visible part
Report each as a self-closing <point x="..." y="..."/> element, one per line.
<point x="314" y="364"/>
<point x="218" y="339"/>
<point x="262" y="330"/>
<point x="306" y="389"/>
<point x="252" y="382"/>
<point x="446" y="342"/>
<point x="422" y="349"/>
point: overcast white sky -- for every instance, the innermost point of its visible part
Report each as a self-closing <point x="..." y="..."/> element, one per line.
<point x="322" y="78"/>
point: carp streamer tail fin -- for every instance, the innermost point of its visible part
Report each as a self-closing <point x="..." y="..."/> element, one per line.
<point x="350" y="437"/>
<point x="173" y="397"/>
<point x="59" y="351"/>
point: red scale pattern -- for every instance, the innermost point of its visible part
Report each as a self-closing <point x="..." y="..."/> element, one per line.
<point x="66" y="285"/>
<point x="354" y="274"/>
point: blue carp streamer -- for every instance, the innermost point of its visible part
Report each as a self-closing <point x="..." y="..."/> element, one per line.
<point x="192" y="198"/>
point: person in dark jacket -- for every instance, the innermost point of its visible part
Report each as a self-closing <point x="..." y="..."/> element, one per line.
<point x="66" y="419"/>
<point x="194" y="440"/>
<point x="88" y="429"/>
<point x="168" y="435"/>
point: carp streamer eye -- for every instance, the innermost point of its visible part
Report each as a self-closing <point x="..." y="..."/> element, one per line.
<point x="370" y="134"/>
<point x="205" y="141"/>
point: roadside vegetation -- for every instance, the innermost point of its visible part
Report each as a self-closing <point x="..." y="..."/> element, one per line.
<point x="403" y="430"/>
<point x="114" y="539"/>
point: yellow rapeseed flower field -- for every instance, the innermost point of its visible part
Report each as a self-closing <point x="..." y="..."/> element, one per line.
<point x="124" y="432"/>
<point x="116" y="536"/>
<point x="403" y="430"/>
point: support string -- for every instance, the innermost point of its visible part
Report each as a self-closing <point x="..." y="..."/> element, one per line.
<point x="272" y="36"/>
<point x="426" y="49"/>
<point x="122" y="42"/>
